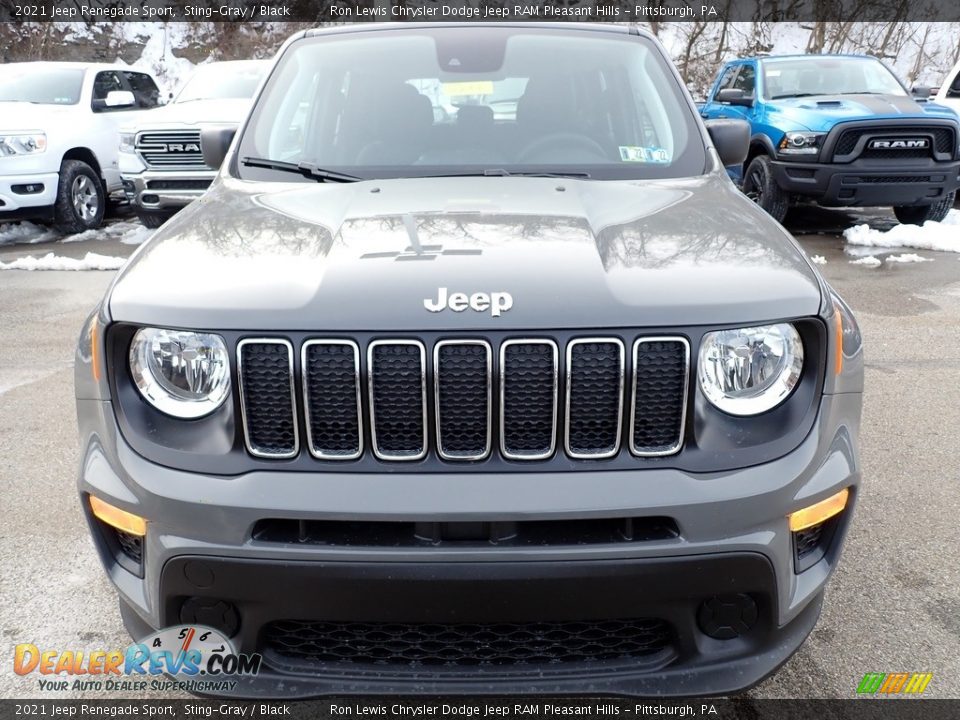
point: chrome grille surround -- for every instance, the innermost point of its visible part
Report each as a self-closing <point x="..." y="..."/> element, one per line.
<point x="307" y="406"/>
<point x="569" y="382"/>
<point x="153" y="148"/>
<point x="503" y="382"/>
<point x="371" y="388"/>
<point x="640" y="452"/>
<point x="436" y="399"/>
<point x="251" y="447"/>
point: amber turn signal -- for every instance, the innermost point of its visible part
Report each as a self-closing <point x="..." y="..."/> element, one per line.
<point x="819" y="512"/>
<point x="115" y="517"/>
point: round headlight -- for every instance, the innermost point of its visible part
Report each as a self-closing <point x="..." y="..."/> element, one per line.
<point x="748" y="371"/>
<point x="184" y="374"/>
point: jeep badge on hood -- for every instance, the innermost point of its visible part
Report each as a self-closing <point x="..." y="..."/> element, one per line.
<point x="496" y="303"/>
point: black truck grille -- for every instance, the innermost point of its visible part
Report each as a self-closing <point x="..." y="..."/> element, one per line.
<point x="416" y="645"/>
<point x="942" y="142"/>
<point x="455" y="402"/>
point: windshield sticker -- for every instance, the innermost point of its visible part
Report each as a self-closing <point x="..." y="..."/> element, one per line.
<point x="637" y="153"/>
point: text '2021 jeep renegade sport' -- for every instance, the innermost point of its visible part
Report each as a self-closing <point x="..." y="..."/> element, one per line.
<point x="525" y="398"/>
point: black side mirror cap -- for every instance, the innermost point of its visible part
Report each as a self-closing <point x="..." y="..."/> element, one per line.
<point x="921" y="92"/>
<point x="214" y="143"/>
<point x="731" y="138"/>
<point x="734" y="96"/>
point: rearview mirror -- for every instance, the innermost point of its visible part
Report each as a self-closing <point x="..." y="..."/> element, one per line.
<point x="214" y="143"/>
<point x="731" y="138"/>
<point x="734" y="96"/>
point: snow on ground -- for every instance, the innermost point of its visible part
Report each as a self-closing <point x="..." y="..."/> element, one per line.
<point x="943" y="236"/>
<point x="24" y="232"/>
<point x="907" y="258"/>
<point x="90" y="261"/>
<point x="818" y="260"/>
<point x="126" y="232"/>
<point x="868" y="261"/>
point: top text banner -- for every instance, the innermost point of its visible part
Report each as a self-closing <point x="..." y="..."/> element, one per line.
<point x="348" y="11"/>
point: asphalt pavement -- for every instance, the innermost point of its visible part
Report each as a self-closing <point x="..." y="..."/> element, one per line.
<point x="892" y="606"/>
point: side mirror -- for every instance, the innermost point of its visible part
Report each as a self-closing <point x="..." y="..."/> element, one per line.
<point x="119" y="99"/>
<point x="734" y="96"/>
<point x="922" y="92"/>
<point x="731" y="138"/>
<point x="214" y="143"/>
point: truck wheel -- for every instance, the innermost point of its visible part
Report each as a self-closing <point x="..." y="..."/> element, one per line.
<point x="919" y="214"/>
<point x="80" y="198"/>
<point x="759" y="186"/>
<point x="153" y="219"/>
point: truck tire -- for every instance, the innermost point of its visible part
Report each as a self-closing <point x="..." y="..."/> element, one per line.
<point x="153" y="218"/>
<point x="759" y="186"/>
<point x="80" y="198"/>
<point x="919" y="214"/>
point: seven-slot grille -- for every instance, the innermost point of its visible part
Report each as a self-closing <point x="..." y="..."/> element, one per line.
<point x="173" y="148"/>
<point x="602" y="386"/>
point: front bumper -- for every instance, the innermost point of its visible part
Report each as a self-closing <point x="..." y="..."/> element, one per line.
<point x="733" y="540"/>
<point x="27" y="196"/>
<point x="164" y="190"/>
<point x="865" y="183"/>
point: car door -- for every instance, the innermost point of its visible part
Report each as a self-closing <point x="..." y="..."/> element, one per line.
<point x="108" y="121"/>
<point x="712" y="109"/>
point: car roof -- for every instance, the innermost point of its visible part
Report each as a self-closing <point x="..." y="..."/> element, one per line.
<point x="402" y="26"/>
<point x="55" y="64"/>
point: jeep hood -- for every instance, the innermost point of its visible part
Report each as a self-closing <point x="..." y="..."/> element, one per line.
<point x="821" y="112"/>
<point x="366" y="255"/>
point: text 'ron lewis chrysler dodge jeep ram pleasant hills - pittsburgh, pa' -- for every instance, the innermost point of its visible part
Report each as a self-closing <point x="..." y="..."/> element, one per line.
<point x="522" y="395"/>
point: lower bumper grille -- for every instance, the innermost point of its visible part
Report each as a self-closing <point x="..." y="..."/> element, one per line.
<point x="448" y="645"/>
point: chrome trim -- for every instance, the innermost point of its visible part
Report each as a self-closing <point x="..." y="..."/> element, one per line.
<point x="436" y="398"/>
<point x="243" y="406"/>
<point x="569" y="378"/>
<point x="556" y="373"/>
<point x="633" y="394"/>
<point x="306" y="397"/>
<point x="423" y="399"/>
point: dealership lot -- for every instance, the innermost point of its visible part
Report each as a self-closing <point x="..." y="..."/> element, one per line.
<point x="893" y="606"/>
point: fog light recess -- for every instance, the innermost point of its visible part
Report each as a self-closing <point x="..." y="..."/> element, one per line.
<point x="725" y="617"/>
<point x="217" y="614"/>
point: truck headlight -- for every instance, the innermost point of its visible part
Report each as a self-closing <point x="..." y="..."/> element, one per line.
<point x="127" y="142"/>
<point x="800" y="143"/>
<point x="748" y="371"/>
<point x="183" y="374"/>
<point x="23" y="144"/>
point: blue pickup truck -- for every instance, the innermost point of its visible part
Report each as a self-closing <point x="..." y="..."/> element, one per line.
<point x="841" y="130"/>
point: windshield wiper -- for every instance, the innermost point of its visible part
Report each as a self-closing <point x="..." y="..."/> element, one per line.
<point x="500" y="172"/>
<point x="305" y="169"/>
<point x="793" y="95"/>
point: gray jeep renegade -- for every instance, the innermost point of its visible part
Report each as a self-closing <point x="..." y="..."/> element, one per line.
<point x="474" y="373"/>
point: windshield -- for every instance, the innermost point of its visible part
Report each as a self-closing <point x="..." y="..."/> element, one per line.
<point x="222" y="81"/>
<point x="443" y="101"/>
<point x="44" y="86"/>
<point x="828" y="76"/>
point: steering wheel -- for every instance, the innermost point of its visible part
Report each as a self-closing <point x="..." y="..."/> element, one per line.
<point x="564" y="141"/>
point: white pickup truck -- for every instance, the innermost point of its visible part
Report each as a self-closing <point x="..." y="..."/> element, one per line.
<point x="160" y="159"/>
<point x="59" y="136"/>
<point x="949" y="93"/>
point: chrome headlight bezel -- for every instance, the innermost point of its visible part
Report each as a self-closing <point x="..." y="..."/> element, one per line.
<point x="163" y="361"/>
<point x="127" y="142"/>
<point x="770" y="359"/>
<point x="24" y="143"/>
<point x="801" y="144"/>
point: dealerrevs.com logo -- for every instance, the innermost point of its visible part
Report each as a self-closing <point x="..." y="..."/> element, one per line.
<point x="198" y="659"/>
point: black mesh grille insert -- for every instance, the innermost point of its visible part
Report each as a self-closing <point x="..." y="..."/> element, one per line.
<point x="463" y="393"/>
<point x="397" y="398"/>
<point x="267" y="398"/>
<point x="452" y="646"/>
<point x="595" y="402"/>
<point x="661" y="380"/>
<point x="130" y="545"/>
<point x="331" y="378"/>
<point x="529" y="390"/>
<point x="943" y="141"/>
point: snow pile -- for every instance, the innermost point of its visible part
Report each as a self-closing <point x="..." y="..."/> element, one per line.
<point x="90" y="261"/>
<point x="818" y="260"/>
<point x="907" y="258"/>
<point x="869" y="261"/>
<point x="943" y="236"/>
<point x="128" y="233"/>
<point x="157" y="57"/>
<point x="24" y="232"/>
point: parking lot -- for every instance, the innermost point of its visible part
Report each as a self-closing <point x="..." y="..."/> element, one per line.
<point x="893" y="606"/>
